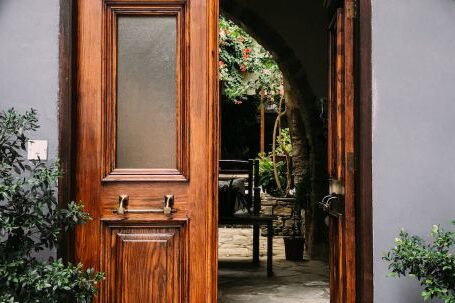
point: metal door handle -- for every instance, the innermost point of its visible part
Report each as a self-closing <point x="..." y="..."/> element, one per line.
<point x="326" y="202"/>
<point x="168" y="203"/>
<point x="167" y="207"/>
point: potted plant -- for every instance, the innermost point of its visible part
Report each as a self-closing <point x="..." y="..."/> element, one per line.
<point x="276" y="178"/>
<point x="432" y="264"/>
<point x="294" y="242"/>
<point x="31" y="221"/>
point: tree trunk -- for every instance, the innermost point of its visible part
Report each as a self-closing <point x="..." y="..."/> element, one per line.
<point x="300" y="148"/>
<point x="308" y="156"/>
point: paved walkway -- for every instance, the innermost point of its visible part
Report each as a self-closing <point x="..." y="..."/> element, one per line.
<point x="240" y="281"/>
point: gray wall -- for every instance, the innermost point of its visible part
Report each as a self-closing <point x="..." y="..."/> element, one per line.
<point x="29" y="32"/>
<point x="413" y="127"/>
<point x="413" y="118"/>
<point x="29" y="62"/>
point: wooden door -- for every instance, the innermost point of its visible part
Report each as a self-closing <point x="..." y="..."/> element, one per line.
<point x="146" y="161"/>
<point x="341" y="155"/>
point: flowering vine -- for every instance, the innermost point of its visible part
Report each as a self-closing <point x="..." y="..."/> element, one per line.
<point x="245" y="67"/>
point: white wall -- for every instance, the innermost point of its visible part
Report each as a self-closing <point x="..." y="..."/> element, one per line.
<point x="413" y="128"/>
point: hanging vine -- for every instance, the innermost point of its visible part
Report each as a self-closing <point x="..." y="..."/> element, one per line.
<point x="245" y="67"/>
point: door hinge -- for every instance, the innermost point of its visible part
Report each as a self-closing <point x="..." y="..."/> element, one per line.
<point x="350" y="161"/>
<point x="351" y="9"/>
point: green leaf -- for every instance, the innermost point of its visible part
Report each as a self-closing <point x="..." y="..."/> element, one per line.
<point x="31" y="221"/>
<point x="431" y="263"/>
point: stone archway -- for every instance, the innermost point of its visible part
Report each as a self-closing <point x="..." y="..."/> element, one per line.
<point x="304" y="114"/>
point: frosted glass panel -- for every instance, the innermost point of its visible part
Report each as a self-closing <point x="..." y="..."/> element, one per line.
<point x="146" y="92"/>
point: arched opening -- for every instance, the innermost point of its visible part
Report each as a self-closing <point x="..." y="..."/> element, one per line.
<point x="304" y="65"/>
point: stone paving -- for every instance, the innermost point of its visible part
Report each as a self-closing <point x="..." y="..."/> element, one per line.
<point x="240" y="281"/>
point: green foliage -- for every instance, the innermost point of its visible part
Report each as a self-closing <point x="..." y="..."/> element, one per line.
<point x="284" y="143"/>
<point x="30" y="221"/>
<point x="432" y="264"/>
<point x="266" y="176"/>
<point x="245" y="67"/>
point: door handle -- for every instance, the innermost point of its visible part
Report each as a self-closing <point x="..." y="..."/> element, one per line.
<point x="167" y="207"/>
<point x="168" y="203"/>
<point x="326" y="202"/>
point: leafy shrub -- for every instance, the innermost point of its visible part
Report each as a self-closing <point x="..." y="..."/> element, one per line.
<point x="284" y="143"/>
<point x="266" y="176"/>
<point x="432" y="264"/>
<point x="30" y="221"/>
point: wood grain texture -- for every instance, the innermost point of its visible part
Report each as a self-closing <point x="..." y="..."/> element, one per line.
<point x="341" y="154"/>
<point x="340" y="97"/>
<point x="147" y="262"/>
<point x="112" y="11"/>
<point x="336" y="159"/>
<point x="88" y="153"/>
<point x="349" y="150"/>
<point x="195" y="197"/>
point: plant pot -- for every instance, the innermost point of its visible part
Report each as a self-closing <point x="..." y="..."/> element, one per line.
<point x="293" y="247"/>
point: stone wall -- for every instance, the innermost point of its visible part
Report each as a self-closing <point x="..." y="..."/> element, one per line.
<point x="283" y="210"/>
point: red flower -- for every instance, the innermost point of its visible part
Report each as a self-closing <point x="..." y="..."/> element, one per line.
<point x="246" y="53"/>
<point x="243" y="68"/>
<point x="221" y="63"/>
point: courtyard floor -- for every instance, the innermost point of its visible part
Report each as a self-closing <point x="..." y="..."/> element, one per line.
<point x="240" y="281"/>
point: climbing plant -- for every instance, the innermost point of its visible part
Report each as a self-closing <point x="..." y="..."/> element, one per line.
<point x="245" y="67"/>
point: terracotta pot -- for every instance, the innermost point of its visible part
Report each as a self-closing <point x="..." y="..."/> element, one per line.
<point x="293" y="247"/>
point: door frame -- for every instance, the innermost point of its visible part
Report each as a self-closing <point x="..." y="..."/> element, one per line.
<point x="363" y="83"/>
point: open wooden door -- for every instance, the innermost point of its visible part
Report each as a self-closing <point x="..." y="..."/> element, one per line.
<point x="146" y="160"/>
<point x="340" y="204"/>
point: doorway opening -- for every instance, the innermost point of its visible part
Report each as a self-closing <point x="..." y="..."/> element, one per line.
<point x="293" y="35"/>
<point x="273" y="163"/>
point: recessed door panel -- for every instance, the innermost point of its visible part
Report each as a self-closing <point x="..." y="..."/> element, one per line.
<point x="146" y="262"/>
